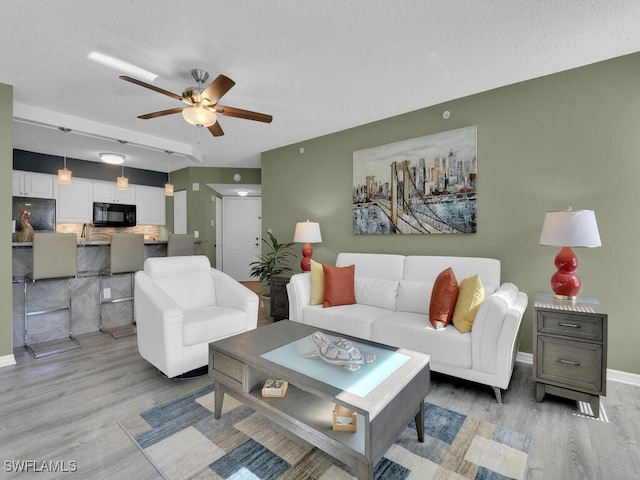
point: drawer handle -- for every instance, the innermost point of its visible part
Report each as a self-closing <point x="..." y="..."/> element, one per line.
<point x="571" y="325"/>
<point x="568" y="362"/>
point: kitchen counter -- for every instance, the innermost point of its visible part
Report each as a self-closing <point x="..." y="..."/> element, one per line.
<point x="102" y="242"/>
<point x="91" y="257"/>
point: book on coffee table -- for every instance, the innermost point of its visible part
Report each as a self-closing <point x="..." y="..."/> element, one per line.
<point x="275" y="388"/>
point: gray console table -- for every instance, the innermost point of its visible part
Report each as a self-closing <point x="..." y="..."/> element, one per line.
<point x="570" y="349"/>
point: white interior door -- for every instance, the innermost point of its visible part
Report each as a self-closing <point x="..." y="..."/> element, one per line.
<point x="241" y="235"/>
<point x="180" y="212"/>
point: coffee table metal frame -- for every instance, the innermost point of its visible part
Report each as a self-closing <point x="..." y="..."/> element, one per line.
<point x="236" y="366"/>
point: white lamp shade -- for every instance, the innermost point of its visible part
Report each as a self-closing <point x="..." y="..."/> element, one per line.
<point x="570" y="229"/>
<point x="64" y="176"/>
<point x="307" y="232"/>
<point x="199" y="116"/>
<point x="122" y="183"/>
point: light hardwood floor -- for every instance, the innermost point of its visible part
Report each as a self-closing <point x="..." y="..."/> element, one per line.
<point x="67" y="408"/>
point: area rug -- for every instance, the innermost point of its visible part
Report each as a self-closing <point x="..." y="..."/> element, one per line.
<point x="182" y="440"/>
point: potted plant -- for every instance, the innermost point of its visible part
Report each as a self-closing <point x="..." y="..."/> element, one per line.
<point x="273" y="262"/>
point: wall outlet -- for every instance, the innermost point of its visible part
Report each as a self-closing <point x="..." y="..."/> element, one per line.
<point x="106" y="294"/>
<point x="196" y="234"/>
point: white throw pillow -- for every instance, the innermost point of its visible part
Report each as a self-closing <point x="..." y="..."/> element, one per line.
<point x="376" y="292"/>
<point x="414" y="296"/>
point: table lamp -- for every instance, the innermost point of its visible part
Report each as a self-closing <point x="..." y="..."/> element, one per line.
<point x="307" y="233"/>
<point x="568" y="229"/>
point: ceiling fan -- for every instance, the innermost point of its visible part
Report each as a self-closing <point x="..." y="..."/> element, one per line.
<point x="203" y="103"/>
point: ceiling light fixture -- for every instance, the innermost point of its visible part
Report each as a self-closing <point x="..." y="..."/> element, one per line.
<point x="122" y="66"/>
<point x="64" y="175"/>
<point x="168" y="187"/>
<point x="243" y="192"/>
<point x="122" y="182"/>
<point x="112" y="158"/>
<point x="199" y="116"/>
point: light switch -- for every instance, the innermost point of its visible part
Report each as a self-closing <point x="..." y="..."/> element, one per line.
<point x="196" y="234"/>
<point x="195" y="187"/>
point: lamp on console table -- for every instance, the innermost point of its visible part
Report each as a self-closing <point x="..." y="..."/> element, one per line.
<point x="307" y="233"/>
<point x="568" y="229"/>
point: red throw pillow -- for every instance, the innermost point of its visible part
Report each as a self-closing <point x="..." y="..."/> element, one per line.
<point x="339" y="285"/>
<point x="443" y="299"/>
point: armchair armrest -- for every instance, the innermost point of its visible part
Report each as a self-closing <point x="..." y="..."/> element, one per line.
<point x="495" y="333"/>
<point x="159" y="322"/>
<point x="232" y="294"/>
<point x="299" y="294"/>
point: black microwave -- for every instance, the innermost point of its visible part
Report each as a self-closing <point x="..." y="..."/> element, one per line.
<point x="114" y="215"/>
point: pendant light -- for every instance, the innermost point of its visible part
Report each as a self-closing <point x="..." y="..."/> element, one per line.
<point x="122" y="182"/>
<point x="168" y="187"/>
<point x="64" y="175"/>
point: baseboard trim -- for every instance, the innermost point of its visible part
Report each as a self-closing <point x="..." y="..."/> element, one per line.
<point x="612" y="375"/>
<point x="7" y="360"/>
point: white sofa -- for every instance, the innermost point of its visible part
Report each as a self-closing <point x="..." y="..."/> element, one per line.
<point x="393" y="294"/>
<point x="182" y="304"/>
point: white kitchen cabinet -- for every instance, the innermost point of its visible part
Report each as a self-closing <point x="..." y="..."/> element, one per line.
<point x="150" y="205"/>
<point x="106" y="192"/>
<point x="31" y="184"/>
<point x="74" y="202"/>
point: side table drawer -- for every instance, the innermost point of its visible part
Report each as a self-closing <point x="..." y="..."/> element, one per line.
<point x="570" y="363"/>
<point x="570" y="325"/>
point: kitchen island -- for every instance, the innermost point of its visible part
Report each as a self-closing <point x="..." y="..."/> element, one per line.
<point x="91" y="258"/>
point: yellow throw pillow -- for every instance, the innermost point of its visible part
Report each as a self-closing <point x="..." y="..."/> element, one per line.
<point x="317" y="283"/>
<point x="470" y="297"/>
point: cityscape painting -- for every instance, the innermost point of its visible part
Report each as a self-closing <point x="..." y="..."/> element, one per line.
<point x="423" y="185"/>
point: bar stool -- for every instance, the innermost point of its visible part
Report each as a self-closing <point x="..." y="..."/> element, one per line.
<point x="126" y="256"/>
<point x="54" y="258"/>
<point x="180" y="244"/>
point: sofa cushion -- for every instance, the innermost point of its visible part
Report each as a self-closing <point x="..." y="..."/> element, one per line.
<point x="339" y="286"/>
<point x="374" y="265"/>
<point x="443" y="299"/>
<point x="444" y="346"/>
<point x="354" y="320"/>
<point x="376" y="292"/>
<point x="414" y="296"/>
<point x="317" y="283"/>
<point x="470" y="297"/>
<point x="211" y="323"/>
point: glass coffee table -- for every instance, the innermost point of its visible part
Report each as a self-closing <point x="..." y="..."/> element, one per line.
<point x="386" y="394"/>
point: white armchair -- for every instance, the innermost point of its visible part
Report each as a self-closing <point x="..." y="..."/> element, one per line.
<point x="181" y="305"/>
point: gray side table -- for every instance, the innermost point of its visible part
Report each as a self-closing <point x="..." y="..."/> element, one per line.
<point x="570" y="349"/>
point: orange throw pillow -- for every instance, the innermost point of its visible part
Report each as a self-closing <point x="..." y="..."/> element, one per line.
<point x="339" y="285"/>
<point x="443" y="299"/>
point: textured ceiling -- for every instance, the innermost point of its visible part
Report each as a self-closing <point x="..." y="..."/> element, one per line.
<point x="317" y="67"/>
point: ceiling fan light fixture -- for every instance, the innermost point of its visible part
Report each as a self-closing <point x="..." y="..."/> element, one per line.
<point x="112" y="158"/>
<point x="199" y="116"/>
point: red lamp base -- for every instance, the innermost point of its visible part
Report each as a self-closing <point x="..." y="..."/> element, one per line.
<point x="565" y="283"/>
<point x="305" y="262"/>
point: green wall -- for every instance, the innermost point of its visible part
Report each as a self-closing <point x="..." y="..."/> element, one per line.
<point x="571" y="138"/>
<point x="6" y="163"/>
<point x="200" y="208"/>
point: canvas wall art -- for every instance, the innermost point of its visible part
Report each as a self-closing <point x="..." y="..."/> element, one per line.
<point x="419" y="186"/>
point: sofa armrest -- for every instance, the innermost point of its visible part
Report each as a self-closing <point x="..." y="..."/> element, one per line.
<point x="159" y="325"/>
<point x="232" y="294"/>
<point x="299" y="294"/>
<point x="495" y="333"/>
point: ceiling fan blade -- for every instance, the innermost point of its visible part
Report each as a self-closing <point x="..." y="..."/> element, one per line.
<point x="151" y="87"/>
<point x="218" y="88"/>
<point x="216" y="129"/>
<point x="161" y="113"/>
<point x="246" y="114"/>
